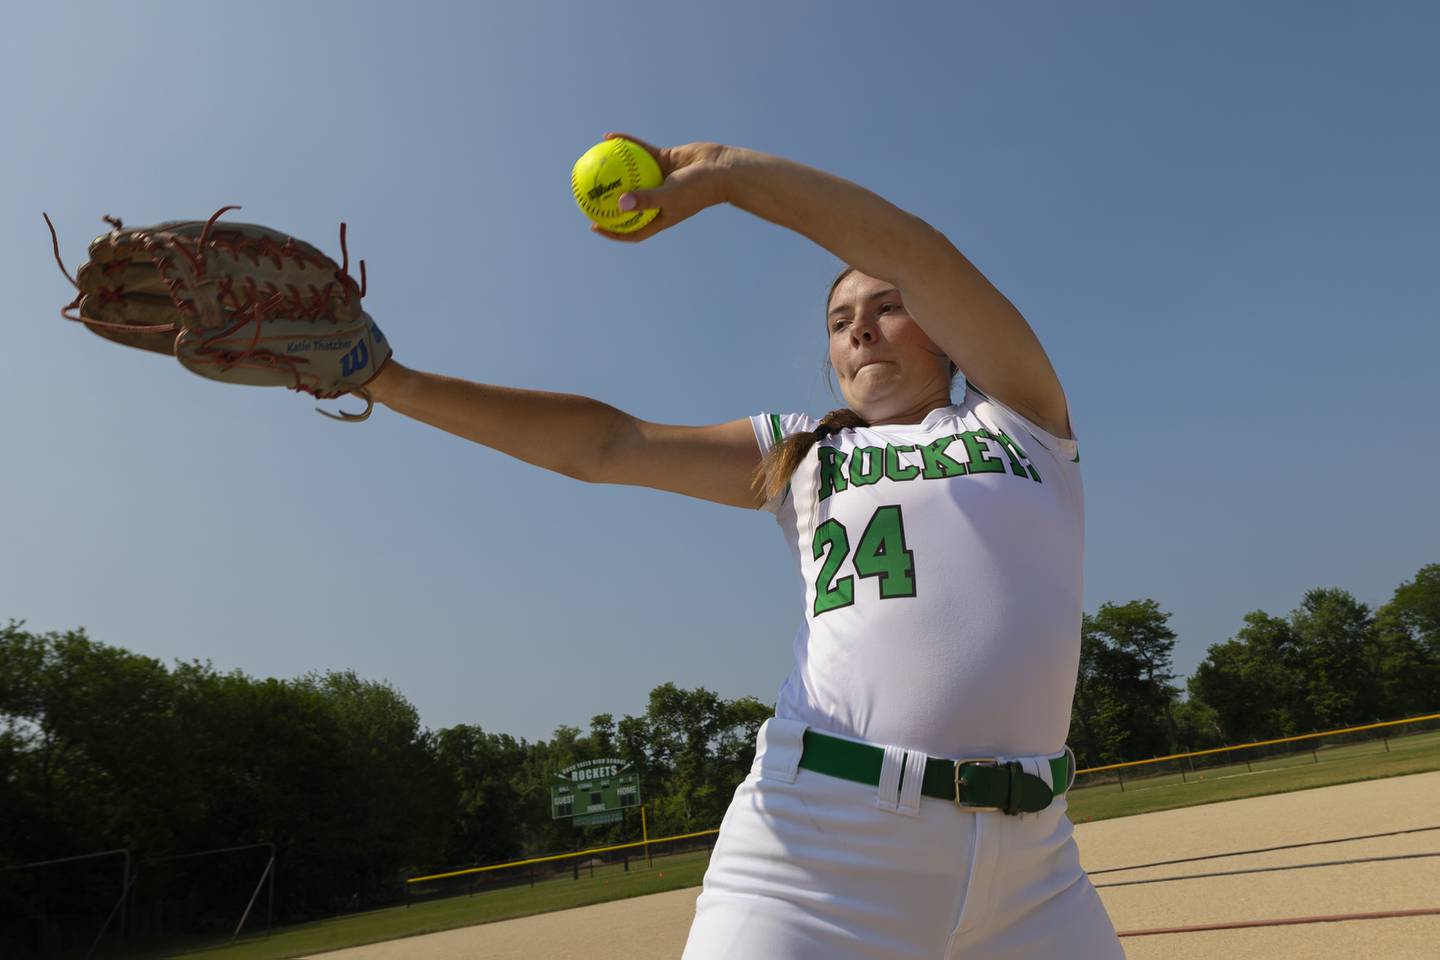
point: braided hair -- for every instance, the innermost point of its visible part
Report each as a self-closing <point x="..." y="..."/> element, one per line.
<point x="775" y="470"/>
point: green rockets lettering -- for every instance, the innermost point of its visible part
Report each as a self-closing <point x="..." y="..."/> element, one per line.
<point x="979" y="452"/>
<point x="832" y="479"/>
<point x="939" y="464"/>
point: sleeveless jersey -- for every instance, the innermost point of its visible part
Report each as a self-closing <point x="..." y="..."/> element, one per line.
<point x="942" y="571"/>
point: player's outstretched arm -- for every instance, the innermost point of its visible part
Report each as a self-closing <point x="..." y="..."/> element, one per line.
<point x="948" y="297"/>
<point x="580" y="437"/>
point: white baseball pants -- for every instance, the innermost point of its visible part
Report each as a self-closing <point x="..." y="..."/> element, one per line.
<point x="812" y="867"/>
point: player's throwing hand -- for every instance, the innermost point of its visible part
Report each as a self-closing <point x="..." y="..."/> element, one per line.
<point x="693" y="181"/>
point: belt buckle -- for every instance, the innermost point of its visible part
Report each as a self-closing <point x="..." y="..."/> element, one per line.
<point x="993" y="761"/>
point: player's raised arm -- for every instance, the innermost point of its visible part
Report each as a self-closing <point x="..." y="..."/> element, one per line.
<point x="960" y="310"/>
<point x="580" y="437"/>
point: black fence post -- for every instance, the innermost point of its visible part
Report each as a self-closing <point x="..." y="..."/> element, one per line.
<point x="1120" y="775"/>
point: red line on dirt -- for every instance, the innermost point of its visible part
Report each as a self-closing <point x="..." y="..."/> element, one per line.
<point x="1286" y="921"/>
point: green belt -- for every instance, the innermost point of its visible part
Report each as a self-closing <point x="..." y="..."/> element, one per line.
<point x="976" y="782"/>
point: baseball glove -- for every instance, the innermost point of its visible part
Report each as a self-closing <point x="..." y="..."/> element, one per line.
<point x="234" y="302"/>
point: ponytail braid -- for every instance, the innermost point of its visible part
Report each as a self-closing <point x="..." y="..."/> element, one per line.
<point x="775" y="470"/>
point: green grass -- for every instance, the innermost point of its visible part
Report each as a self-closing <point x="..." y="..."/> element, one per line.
<point x="594" y="886"/>
<point x="1418" y="753"/>
<point x="1342" y="764"/>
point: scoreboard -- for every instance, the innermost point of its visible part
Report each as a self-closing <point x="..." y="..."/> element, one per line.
<point x="594" y="792"/>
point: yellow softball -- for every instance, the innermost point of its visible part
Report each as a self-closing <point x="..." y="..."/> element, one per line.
<point x="607" y="170"/>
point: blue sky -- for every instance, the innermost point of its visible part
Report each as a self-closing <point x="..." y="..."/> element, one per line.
<point x="1221" y="219"/>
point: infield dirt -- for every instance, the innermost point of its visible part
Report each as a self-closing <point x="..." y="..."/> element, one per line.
<point x="1115" y="851"/>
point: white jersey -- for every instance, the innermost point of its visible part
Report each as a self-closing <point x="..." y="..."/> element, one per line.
<point x="942" y="571"/>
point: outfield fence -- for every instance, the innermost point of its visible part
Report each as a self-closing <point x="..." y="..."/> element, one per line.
<point x="1262" y="756"/>
<point x="79" y="905"/>
<point x="592" y="863"/>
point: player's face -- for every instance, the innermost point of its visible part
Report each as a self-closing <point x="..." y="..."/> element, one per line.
<point x="889" y="370"/>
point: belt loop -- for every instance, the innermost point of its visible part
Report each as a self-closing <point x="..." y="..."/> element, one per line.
<point x="1014" y="771"/>
<point x="1039" y="768"/>
<point x="778" y="747"/>
<point x="914" y="779"/>
<point x="892" y="769"/>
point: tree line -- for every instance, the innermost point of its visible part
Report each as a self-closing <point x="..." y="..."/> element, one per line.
<point x="101" y="748"/>
<point x="1329" y="663"/>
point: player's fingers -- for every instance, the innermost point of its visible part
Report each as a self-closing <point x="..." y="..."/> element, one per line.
<point x="683" y="192"/>
<point x="650" y="148"/>
<point x="669" y="159"/>
<point x="633" y="237"/>
<point x="662" y="221"/>
<point x="643" y="199"/>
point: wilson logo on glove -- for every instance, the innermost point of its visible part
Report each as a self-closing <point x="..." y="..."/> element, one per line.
<point x="355" y="360"/>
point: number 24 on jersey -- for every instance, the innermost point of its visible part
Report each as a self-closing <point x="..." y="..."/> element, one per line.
<point x="881" y="553"/>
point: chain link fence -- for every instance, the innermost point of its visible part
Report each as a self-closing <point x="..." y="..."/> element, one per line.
<point x="1415" y="733"/>
<point x="599" y="863"/>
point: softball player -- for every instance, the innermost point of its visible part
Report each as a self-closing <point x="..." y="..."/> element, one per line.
<point x="907" y="798"/>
